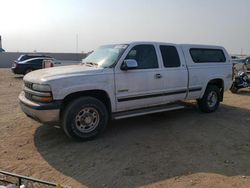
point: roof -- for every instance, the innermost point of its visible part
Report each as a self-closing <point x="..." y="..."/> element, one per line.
<point x="167" y="43"/>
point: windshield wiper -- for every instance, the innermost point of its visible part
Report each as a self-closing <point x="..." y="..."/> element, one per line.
<point x="91" y="64"/>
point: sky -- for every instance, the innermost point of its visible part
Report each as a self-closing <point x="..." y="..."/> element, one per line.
<point x="83" y="25"/>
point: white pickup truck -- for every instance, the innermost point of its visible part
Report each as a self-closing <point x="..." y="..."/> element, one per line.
<point x="126" y="80"/>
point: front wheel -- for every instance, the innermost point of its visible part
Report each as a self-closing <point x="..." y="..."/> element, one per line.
<point x="84" y="118"/>
<point x="234" y="89"/>
<point x="210" y="100"/>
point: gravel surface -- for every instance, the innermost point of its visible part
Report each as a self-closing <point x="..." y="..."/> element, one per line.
<point x="183" y="148"/>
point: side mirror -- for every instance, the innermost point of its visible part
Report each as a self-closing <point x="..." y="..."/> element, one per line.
<point x="129" y="64"/>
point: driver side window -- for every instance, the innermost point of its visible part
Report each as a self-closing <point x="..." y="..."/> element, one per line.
<point x="145" y="55"/>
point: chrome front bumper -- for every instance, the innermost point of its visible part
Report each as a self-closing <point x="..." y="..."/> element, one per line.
<point x="44" y="113"/>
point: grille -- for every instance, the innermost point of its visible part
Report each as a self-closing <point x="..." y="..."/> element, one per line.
<point x="28" y="95"/>
<point x="28" y="85"/>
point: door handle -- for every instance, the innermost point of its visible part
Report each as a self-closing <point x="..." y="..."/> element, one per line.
<point x="158" y="76"/>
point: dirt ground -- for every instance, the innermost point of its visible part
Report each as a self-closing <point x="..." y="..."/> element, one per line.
<point x="183" y="148"/>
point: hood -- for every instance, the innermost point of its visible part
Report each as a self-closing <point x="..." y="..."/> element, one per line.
<point x="48" y="74"/>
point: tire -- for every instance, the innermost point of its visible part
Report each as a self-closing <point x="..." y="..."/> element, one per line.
<point x="210" y="100"/>
<point x="234" y="89"/>
<point x="84" y="118"/>
<point x="27" y="71"/>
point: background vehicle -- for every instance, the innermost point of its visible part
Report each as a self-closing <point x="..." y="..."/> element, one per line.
<point x="241" y="79"/>
<point x="28" y="63"/>
<point x="126" y="80"/>
<point x="248" y="63"/>
<point x="245" y="61"/>
<point x="56" y="63"/>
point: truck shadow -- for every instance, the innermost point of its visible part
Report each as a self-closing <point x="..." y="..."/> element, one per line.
<point x="245" y="92"/>
<point x="144" y="150"/>
<point x="19" y="77"/>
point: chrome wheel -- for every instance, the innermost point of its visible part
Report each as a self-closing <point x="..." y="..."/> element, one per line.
<point x="212" y="99"/>
<point x="87" y="119"/>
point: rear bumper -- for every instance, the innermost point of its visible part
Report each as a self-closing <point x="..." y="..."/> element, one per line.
<point x="44" y="113"/>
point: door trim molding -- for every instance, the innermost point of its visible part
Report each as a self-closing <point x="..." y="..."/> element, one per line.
<point x="181" y="91"/>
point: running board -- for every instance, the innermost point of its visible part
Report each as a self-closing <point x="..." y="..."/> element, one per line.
<point x="145" y="111"/>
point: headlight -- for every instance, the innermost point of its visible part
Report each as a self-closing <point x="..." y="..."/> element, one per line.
<point x="38" y="92"/>
<point x="41" y="87"/>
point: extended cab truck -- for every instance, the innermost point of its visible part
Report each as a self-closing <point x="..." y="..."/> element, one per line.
<point x="126" y="80"/>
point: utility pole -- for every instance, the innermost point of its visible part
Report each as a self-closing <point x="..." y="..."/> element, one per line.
<point x="77" y="43"/>
<point x="0" y="42"/>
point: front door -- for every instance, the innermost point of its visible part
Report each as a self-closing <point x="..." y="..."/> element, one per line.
<point x="142" y="86"/>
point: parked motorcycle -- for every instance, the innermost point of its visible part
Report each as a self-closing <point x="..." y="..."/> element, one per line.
<point x="241" y="80"/>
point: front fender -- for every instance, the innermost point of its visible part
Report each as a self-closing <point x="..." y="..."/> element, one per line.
<point x="63" y="88"/>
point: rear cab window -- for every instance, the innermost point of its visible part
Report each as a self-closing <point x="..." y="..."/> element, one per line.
<point x="170" y="56"/>
<point x="201" y="55"/>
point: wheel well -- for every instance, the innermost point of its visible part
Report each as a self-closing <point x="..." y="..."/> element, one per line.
<point x="220" y="84"/>
<point x="98" y="94"/>
<point x="28" y="68"/>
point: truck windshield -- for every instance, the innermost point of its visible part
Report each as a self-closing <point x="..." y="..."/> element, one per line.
<point x="105" y="56"/>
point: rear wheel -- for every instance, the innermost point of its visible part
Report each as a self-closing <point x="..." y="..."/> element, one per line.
<point x="210" y="100"/>
<point x="85" y="118"/>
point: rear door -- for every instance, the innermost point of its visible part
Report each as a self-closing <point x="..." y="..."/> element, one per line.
<point x="175" y="74"/>
<point x="143" y="86"/>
